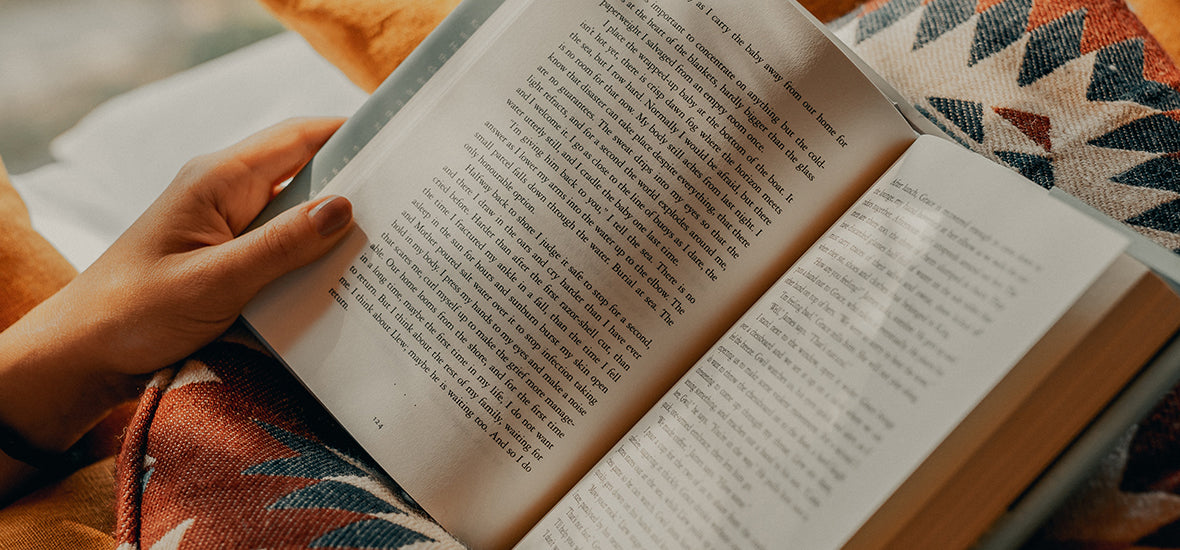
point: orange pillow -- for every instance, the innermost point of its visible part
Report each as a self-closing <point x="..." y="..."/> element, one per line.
<point x="1160" y="17"/>
<point x="31" y="270"/>
<point x="367" y="39"/>
<point x="76" y="513"/>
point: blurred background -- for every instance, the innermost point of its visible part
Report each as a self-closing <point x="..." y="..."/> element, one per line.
<point x="61" y="58"/>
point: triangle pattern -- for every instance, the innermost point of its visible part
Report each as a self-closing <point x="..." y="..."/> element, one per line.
<point x="193" y="372"/>
<point x="1158" y="173"/>
<point x="941" y="16"/>
<point x="335" y="495"/>
<point x="315" y="461"/>
<point x="1036" y="127"/>
<point x="172" y="539"/>
<point x="1157" y="133"/>
<point x="1165" y="217"/>
<point x="967" y="115"/>
<point x="149" y="466"/>
<point x="998" y="28"/>
<point x="938" y="122"/>
<point x="880" y="19"/>
<point x="1036" y="168"/>
<point x="370" y="533"/>
<point x="1118" y="76"/>
<point x="1051" y="46"/>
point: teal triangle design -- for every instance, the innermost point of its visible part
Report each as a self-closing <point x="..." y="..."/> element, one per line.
<point x="1118" y="76"/>
<point x="999" y="27"/>
<point x="335" y="495"/>
<point x="147" y="478"/>
<point x="1051" y="46"/>
<point x="1036" y="168"/>
<point x="967" y="115"/>
<point x="1159" y="173"/>
<point x="1151" y="134"/>
<point x="938" y="122"/>
<point x="941" y="16"/>
<point x="315" y="460"/>
<point x="881" y="18"/>
<point x="1165" y="217"/>
<point x="370" y="533"/>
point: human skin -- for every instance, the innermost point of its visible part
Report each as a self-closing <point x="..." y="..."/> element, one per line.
<point x="174" y="281"/>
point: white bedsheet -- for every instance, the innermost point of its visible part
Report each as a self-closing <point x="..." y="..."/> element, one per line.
<point x="114" y="163"/>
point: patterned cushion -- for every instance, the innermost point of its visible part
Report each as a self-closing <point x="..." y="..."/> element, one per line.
<point x="229" y="452"/>
<point x="1071" y="93"/>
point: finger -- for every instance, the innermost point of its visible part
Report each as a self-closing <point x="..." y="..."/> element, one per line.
<point x="293" y="239"/>
<point x="253" y="167"/>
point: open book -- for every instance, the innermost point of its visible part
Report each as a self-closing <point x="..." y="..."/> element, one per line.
<point x="676" y="273"/>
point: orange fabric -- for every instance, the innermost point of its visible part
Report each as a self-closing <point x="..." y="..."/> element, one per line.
<point x="30" y="268"/>
<point x="827" y="10"/>
<point x="367" y="39"/>
<point x="1160" y="17"/>
<point x="76" y="513"/>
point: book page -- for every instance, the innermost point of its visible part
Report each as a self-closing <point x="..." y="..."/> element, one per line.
<point x="563" y="220"/>
<point x="855" y="365"/>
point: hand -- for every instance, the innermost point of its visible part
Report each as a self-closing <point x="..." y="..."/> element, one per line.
<point x="181" y="275"/>
<point x="173" y="282"/>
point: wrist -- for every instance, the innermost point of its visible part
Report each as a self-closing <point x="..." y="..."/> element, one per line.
<point x="55" y="381"/>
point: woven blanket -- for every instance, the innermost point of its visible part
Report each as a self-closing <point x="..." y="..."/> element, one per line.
<point x="229" y="451"/>
<point x="1071" y="94"/>
<point x="1077" y="95"/>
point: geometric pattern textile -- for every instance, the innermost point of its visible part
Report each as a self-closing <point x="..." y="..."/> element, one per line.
<point x="228" y="451"/>
<point x="1073" y="94"/>
<point x="1077" y="95"/>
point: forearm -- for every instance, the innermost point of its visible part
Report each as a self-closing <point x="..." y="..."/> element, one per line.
<point x="51" y="389"/>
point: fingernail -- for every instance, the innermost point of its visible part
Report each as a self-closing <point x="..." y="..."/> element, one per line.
<point x="331" y="215"/>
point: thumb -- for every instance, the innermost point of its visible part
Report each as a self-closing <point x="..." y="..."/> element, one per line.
<point x="292" y="240"/>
